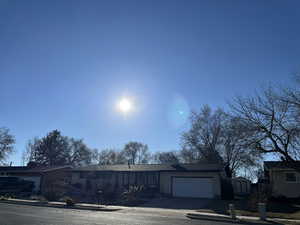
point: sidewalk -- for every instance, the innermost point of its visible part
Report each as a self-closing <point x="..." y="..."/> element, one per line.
<point x="221" y="217"/>
<point x="83" y="206"/>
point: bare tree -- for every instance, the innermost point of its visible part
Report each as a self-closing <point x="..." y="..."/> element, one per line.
<point x="292" y="97"/>
<point x="189" y="155"/>
<point x="272" y="124"/>
<point x="57" y="150"/>
<point x="233" y="148"/>
<point x="216" y="136"/>
<point x="51" y="150"/>
<point x="6" y="144"/>
<point x="110" y="157"/>
<point x="202" y="140"/>
<point x="136" y="153"/>
<point x="166" y="157"/>
<point x="79" y="154"/>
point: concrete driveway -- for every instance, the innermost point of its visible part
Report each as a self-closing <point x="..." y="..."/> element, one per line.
<point x="178" y="203"/>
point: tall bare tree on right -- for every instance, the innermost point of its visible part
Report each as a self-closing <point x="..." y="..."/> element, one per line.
<point x="272" y="122"/>
<point x="217" y="137"/>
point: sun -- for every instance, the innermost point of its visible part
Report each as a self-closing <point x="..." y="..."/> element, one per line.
<point x="125" y="105"/>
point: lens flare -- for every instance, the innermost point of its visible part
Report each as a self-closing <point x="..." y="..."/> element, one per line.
<point x="178" y="112"/>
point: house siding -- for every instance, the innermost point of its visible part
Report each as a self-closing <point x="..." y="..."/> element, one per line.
<point x="280" y="187"/>
<point x="117" y="180"/>
<point x="241" y="186"/>
<point x="34" y="177"/>
<point x="56" y="180"/>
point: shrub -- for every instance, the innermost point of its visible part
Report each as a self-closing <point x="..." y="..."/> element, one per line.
<point x="55" y="190"/>
<point x="256" y="198"/>
<point x="279" y="198"/>
<point x="3" y="198"/>
<point x="132" y="193"/>
<point x="12" y="196"/>
<point x="34" y="197"/>
<point x="51" y="195"/>
<point x="38" y="198"/>
<point x="106" y="194"/>
<point x="42" y="199"/>
<point x="69" y="201"/>
<point x="252" y="201"/>
<point x="7" y="195"/>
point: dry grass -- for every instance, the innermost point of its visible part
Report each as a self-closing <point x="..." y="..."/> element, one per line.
<point x="274" y="209"/>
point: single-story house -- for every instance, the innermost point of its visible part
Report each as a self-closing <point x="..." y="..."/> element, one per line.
<point x="178" y="180"/>
<point x="241" y="186"/>
<point x="284" y="179"/>
<point x="42" y="177"/>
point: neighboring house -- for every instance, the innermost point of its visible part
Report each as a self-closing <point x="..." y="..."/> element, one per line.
<point x="24" y="173"/>
<point x="241" y="186"/>
<point x="180" y="180"/>
<point x="42" y="177"/>
<point x="283" y="180"/>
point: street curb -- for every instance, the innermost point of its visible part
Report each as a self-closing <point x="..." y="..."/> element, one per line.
<point x="214" y="217"/>
<point x="219" y="217"/>
<point x="62" y="206"/>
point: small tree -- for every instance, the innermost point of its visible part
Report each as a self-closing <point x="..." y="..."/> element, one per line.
<point x="136" y="153"/>
<point x="6" y="144"/>
<point x="79" y="153"/>
<point x="166" y="157"/>
<point x="109" y="157"/>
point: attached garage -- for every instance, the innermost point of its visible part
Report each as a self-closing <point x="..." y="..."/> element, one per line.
<point x="192" y="181"/>
<point x="193" y="187"/>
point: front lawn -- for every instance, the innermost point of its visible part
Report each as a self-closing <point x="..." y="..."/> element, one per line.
<point x="284" y="210"/>
<point x="278" y="210"/>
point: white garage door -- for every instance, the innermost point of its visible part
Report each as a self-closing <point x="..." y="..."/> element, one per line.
<point x="193" y="187"/>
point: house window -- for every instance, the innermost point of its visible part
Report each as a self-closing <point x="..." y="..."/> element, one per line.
<point x="82" y="175"/>
<point x="290" y="177"/>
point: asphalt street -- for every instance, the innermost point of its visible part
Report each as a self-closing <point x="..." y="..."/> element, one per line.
<point x="32" y="215"/>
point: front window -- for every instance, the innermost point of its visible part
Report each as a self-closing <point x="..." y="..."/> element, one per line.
<point x="82" y="175"/>
<point x="290" y="177"/>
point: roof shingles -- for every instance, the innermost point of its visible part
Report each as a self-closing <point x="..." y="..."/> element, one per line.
<point x="152" y="167"/>
<point x="281" y="165"/>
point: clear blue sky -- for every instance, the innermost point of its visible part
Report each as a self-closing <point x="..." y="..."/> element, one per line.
<point x="65" y="64"/>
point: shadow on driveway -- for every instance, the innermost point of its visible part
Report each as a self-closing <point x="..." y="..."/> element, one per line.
<point x="177" y="203"/>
